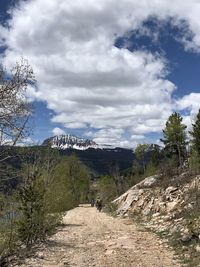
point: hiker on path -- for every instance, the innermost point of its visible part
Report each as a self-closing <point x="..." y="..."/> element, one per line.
<point x="92" y="202"/>
<point x="99" y="204"/>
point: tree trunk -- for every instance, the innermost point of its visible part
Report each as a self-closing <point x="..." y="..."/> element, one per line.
<point x="179" y="155"/>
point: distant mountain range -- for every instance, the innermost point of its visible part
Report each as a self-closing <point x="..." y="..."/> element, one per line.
<point x="72" y="142"/>
<point x="99" y="158"/>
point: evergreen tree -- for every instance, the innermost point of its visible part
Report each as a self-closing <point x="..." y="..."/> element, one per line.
<point x="70" y="185"/>
<point x="195" y="133"/>
<point x="140" y="152"/>
<point x="174" y="137"/>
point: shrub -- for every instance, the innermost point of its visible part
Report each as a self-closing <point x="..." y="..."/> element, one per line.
<point x="35" y="222"/>
<point x="8" y="236"/>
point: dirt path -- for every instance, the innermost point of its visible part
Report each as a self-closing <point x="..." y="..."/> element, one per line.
<point x="90" y="238"/>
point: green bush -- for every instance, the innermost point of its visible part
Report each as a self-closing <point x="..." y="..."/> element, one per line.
<point x="111" y="209"/>
<point x="8" y="234"/>
<point x="35" y="222"/>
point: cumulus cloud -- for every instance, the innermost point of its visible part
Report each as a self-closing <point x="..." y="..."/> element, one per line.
<point x="83" y="77"/>
<point x="58" y="131"/>
<point x="190" y="102"/>
<point x="110" y="136"/>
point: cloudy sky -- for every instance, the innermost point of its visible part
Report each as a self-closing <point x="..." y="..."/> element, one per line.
<point x="112" y="71"/>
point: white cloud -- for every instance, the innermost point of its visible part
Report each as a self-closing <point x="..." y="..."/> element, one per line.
<point x="137" y="137"/>
<point x="58" y="131"/>
<point x="3" y="33"/>
<point x="190" y="102"/>
<point x="32" y="93"/>
<point x="111" y="136"/>
<point x="83" y="77"/>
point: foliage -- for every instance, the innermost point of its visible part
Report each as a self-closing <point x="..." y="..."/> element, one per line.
<point x="79" y="179"/>
<point x="168" y="167"/>
<point x="194" y="159"/>
<point x="8" y="235"/>
<point x="140" y="152"/>
<point x="14" y="109"/>
<point x="70" y="185"/>
<point x="174" y="138"/>
<point x="35" y="220"/>
<point x="111" y="209"/>
<point x="50" y="186"/>
<point x="151" y="169"/>
<point x="117" y="178"/>
<point x="136" y="168"/>
<point x="14" y="115"/>
<point x="195" y="133"/>
<point x="107" y="188"/>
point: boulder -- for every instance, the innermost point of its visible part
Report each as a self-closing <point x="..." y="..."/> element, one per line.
<point x="149" y="181"/>
<point x="170" y="190"/>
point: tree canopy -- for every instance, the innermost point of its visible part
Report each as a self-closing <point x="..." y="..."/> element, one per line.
<point x="175" y="138"/>
<point x="14" y="108"/>
<point x="195" y="133"/>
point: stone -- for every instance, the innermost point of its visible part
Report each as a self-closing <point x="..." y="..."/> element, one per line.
<point x="146" y="212"/>
<point x="65" y="263"/>
<point x="157" y="214"/>
<point x="110" y="252"/>
<point x="197" y="248"/>
<point x="40" y="255"/>
<point x="111" y="243"/>
<point x="171" y="206"/>
<point x="170" y="189"/>
<point x="125" y="201"/>
<point x="175" y="229"/>
<point x="91" y="244"/>
<point x="186" y="237"/>
<point x="149" y="181"/>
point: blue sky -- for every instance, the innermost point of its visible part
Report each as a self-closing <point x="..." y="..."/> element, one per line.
<point x="109" y="71"/>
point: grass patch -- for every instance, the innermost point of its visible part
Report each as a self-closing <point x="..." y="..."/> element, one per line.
<point x="111" y="209"/>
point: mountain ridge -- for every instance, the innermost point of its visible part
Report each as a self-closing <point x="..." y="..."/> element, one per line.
<point x="69" y="141"/>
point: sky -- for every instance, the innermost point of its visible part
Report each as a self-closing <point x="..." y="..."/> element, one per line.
<point x="107" y="70"/>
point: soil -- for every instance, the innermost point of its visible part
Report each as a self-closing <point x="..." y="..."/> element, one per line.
<point x="91" y="238"/>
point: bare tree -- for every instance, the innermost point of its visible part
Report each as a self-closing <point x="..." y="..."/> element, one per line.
<point x="14" y="107"/>
<point x="117" y="178"/>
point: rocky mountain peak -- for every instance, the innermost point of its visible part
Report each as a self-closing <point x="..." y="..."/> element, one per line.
<point x="70" y="141"/>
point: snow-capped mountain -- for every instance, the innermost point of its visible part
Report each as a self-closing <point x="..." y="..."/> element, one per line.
<point x="70" y="141"/>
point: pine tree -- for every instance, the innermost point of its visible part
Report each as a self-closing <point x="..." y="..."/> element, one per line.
<point x="140" y="152"/>
<point x="175" y="138"/>
<point x="195" y="133"/>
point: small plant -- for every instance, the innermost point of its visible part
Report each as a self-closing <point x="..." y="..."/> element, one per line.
<point x="8" y="236"/>
<point x="35" y="222"/>
<point x="111" y="209"/>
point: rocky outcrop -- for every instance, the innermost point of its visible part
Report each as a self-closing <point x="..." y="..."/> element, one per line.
<point x="136" y="197"/>
<point x="148" y="197"/>
<point x="173" y="207"/>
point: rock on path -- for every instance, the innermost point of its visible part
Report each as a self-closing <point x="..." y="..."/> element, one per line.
<point x="89" y="238"/>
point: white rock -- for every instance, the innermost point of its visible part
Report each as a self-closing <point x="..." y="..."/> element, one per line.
<point x="171" y="206"/>
<point x="149" y="181"/>
<point x="197" y="248"/>
<point x="110" y="252"/>
<point x="170" y="189"/>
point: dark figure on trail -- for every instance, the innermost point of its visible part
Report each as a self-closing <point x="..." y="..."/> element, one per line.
<point x="99" y="204"/>
<point x="92" y="202"/>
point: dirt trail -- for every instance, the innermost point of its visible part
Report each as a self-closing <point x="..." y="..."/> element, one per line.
<point x="89" y="238"/>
